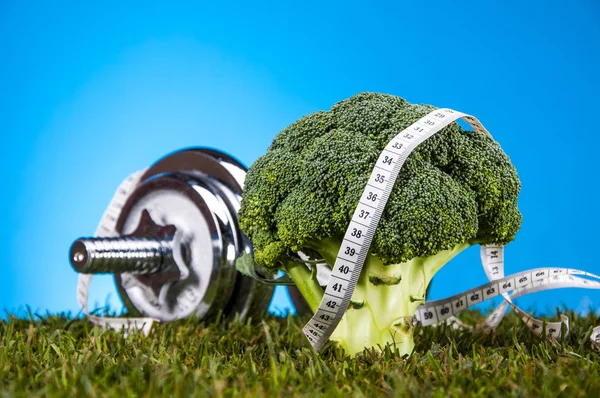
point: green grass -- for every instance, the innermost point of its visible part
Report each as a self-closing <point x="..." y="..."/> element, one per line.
<point x="59" y="356"/>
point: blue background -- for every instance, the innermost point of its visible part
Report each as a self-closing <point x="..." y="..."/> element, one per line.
<point x="90" y="93"/>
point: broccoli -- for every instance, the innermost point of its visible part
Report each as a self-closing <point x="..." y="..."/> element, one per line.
<point x="456" y="189"/>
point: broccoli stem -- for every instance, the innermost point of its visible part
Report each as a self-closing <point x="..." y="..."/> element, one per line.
<point x="390" y="295"/>
<point x="306" y="281"/>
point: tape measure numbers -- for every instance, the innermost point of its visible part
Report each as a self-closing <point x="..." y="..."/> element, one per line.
<point x="359" y="235"/>
<point x="356" y="243"/>
<point x="360" y="232"/>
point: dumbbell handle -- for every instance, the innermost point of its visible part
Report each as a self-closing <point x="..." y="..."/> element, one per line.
<point x="140" y="256"/>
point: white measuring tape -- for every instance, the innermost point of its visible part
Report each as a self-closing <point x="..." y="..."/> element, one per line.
<point x="357" y="241"/>
<point x="351" y="257"/>
<point x="107" y="228"/>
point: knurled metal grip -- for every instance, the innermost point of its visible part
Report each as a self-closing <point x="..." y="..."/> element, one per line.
<point x="177" y="241"/>
<point x="138" y="256"/>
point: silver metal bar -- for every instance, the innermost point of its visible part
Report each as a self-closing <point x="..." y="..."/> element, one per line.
<point x="140" y="256"/>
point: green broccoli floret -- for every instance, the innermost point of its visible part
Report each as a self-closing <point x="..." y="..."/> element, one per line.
<point x="456" y="189"/>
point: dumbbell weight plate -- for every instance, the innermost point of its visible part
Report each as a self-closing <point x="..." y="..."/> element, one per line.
<point x="231" y="292"/>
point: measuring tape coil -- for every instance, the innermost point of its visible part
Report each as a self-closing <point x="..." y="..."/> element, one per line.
<point x="346" y="271"/>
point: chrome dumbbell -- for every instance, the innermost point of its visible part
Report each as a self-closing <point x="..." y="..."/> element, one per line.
<point x="178" y="239"/>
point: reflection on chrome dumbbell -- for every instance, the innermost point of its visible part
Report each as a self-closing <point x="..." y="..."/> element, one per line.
<point x="178" y="242"/>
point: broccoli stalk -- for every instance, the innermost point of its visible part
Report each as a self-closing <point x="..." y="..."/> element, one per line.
<point x="456" y="189"/>
<point x="384" y="300"/>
